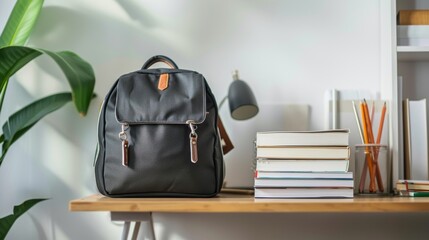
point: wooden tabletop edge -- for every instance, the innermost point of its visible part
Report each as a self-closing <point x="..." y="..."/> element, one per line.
<point x="231" y="204"/>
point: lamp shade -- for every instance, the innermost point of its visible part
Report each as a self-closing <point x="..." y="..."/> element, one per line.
<point x="242" y="102"/>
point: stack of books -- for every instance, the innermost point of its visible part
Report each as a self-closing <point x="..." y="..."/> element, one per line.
<point x="413" y="28"/>
<point x="303" y="164"/>
<point x="413" y="188"/>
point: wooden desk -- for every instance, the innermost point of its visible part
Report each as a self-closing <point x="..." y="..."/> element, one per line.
<point x="140" y="209"/>
<point x="229" y="203"/>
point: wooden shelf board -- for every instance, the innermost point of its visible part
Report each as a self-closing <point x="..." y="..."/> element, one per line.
<point x="229" y="203"/>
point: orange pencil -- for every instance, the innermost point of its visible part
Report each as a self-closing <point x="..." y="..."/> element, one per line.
<point x="365" y="167"/>
<point x="379" y="134"/>
<point x="368" y="157"/>
<point x="374" y="153"/>
<point x="368" y="123"/>
<point x="380" y="126"/>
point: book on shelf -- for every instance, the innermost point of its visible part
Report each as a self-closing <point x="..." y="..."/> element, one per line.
<point x="413" y="17"/>
<point x="397" y="86"/>
<point x="303" y="192"/>
<point x="415" y="140"/>
<point x="413" y="41"/>
<point x="303" y="152"/>
<point x="339" y="137"/>
<point x="302" y="165"/>
<point x="304" y="175"/>
<point x="407" y="140"/>
<point x="259" y="182"/>
<point x="413" y="35"/>
<point x="414" y="194"/>
<point x="412" y="31"/>
<point x="412" y="185"/>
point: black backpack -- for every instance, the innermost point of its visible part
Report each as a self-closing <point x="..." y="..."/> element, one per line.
<point x="158" y="135"/>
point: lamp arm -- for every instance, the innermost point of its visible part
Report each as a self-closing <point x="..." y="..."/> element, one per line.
<point x="222" y="101"/>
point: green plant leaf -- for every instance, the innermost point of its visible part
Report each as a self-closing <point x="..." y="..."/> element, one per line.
<point x="7" y="222"/>
<point x="33" y="112"/>
<point x="80" y="75"/>
<point x="78" y="72"/>
<point x="22" y="120"/>
<point x="21" y="22"/>
<point x="11" y="60"/>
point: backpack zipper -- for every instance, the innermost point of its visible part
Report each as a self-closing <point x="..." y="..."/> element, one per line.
<point x="123" y="137"/>
<point x="193" y="137"/>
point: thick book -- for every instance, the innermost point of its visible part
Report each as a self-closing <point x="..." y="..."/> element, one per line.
<point x="412" y="31"/>
<point x="412" y="185"/>
<point x="303" y="175"/>
<point x="338" y="137"/>
<point x="303" y="192"/>
<point x="413" y="41"/>
<point x="413" y="17"/>
<point x="302" y="165"/>
<point x="303" y="182"/>
<point x="407" y="138"/>
<point x="303" y="152"/>
<point x="416" y="140"/>
<point x="413" y="35"/>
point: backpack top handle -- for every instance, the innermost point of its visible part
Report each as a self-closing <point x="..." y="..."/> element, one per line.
<point x="160" y="58"/>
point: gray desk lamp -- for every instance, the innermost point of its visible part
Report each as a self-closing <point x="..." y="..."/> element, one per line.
<point x="242" y="102"/>
<point x="242" y="105"/>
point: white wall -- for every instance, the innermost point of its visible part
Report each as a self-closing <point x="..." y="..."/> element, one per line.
<point x="289" y="52"/>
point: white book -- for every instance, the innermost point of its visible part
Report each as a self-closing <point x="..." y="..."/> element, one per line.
<point x="419" y="140"/>
<point x="413" y="41"/>
<point x="412" y="185"/>
<point x="338" y="137"/>
<point x="304" y="175"/>
<point x="302" y="165"/>
<point x="303" y="152"/>
<point x="413" y="31"/>
<point x="303" y="192"/>
<point x="399" y="174"/>
<point x="420" y="182"/>
<point x="303" y="183"/>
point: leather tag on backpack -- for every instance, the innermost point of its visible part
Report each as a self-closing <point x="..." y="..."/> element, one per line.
<point x="163" y="82"/>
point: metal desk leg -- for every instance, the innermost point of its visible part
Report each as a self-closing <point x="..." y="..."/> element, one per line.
<point x="136" y="217"/>
<point x="136" y="231"/>
<point x="125" y="231"/>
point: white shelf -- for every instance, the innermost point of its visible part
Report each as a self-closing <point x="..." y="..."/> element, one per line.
<point x="413" y="53"/>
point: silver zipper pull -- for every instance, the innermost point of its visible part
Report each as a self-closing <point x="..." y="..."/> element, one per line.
<point x="193" y="137"/>
<point x="123" y="137"/>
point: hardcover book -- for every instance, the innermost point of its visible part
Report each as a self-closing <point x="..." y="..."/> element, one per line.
<point x="412" y="185"/>
<point x="412" y="35"/>
<point x="413" y="17"/>
<point x="303" y="152"/>
<point x="303" y="183"/>
<point x="416" y="140"/>
<point x="338" y="137"/>
<point x="303" y="192"/>
<point x="304" y="175"/>
<point x="302" y="165"/>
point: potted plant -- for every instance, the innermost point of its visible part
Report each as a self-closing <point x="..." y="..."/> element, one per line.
<point x="13" y="56"/>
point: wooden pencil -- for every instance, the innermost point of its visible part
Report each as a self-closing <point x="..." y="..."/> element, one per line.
<point x="367" y="156"/>
<point x="373" y="150"/>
